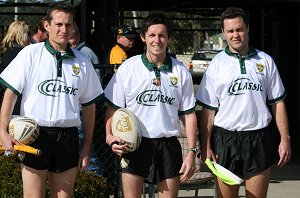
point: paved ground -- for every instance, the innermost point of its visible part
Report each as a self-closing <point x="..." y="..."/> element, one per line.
<point x="284" y="183"/>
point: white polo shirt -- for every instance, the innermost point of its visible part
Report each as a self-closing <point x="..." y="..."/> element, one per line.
<point x="239" y="89"/>
<point x="157" y="107"/>
<point x="51" y="94"/>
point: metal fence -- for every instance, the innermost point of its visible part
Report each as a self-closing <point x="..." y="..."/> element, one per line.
<point x="30" y="14"/>
<point x="108" y="161"/>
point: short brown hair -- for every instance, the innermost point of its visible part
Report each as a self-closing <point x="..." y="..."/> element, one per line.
<point x="154" y="18"/>
<point x="39" y="26"/>
<point x="233" y="12"/>
<point x="59" y="6"/>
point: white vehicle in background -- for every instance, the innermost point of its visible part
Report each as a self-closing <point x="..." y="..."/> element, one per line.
<point x="200" y="61"/>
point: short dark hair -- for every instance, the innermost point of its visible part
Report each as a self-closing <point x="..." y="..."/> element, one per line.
<point x="39" y="26"/>
<point x="59" y="6"/>
<point x="233" y="12"/>
<point x="155" y="18"/>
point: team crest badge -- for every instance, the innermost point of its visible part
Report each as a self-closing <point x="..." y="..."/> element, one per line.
<point x="174" y="81"/>
<point x="76" y="69"/>
<point x="260" y="67"/>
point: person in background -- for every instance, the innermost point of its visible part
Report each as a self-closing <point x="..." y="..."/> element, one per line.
<point x="76" y="43"/>
<point x="54" y="81"/>
<point x="137" y="49"/>
<point x="15" y="39"/>
<point x="125" y="36"/>
<point x="236" y="126"/>
<point x="157" y="89"/>
<point x="40" y="34"/>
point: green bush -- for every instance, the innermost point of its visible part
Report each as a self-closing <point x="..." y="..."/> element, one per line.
<point x="87" y="184"/>
<point x="10" y="177"/>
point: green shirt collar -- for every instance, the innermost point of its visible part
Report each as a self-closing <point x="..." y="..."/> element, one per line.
<point x="68" y="53"/>
<point x="251" y="52"/>
<point x="167" y="66"/>
<point x="59" y="58"/>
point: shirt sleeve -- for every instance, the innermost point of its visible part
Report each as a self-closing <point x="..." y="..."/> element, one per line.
<point x="275" y="90"/>
<point x="92" y="88"/>
<point x="14" y="76"/>
<point x="206" y="94"/>
<point x="114" y="91"/>
<point x="188" y="96"/>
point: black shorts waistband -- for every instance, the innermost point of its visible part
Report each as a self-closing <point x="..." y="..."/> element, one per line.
<point x="216" y="128"/>
<point x="56" y="129"/>
<point x="161" y="138"/>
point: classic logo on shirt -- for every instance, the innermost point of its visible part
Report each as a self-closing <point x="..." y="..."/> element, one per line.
<point x="260" y="67"/>
<point x="241" y="85"/>
<point x="152" y="97"/>
<point x="55" y="87"/>
<point x="76" y="69"/>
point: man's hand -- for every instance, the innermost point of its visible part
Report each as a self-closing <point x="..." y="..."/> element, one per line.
<point x="188" y="167"/>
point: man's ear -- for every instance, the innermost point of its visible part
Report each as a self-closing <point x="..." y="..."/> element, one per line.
<point x="46" y="25"/>
<point x="142" y="37"/>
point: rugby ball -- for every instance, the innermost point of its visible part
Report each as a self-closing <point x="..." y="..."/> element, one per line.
<point x="126" y="126"/>
<point x="24" y="130"/>
<point x="223" y="173"/>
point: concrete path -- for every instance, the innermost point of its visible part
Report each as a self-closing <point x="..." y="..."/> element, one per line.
<point x="284" y="183"/>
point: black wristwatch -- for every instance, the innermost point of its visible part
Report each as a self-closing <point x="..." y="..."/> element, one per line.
<point x="194" y="149"/>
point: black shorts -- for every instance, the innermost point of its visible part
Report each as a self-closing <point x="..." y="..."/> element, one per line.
<point x="156" y="159"/>
<point x="246" y="153"/>
<point x="60" y="150"/>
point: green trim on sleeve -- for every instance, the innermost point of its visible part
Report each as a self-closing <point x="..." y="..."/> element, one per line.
<point x="186" y="111"/>
<point x="98" y="98"/>
<point x="270" y="102"/>
<point x="206" y="106"/>
<point x="107" y="101"/>
<point x="5" y="84"/>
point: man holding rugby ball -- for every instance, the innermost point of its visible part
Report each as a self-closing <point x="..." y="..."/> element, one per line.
<point x="156" y="88"/>
<point x="54" y="81"/>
